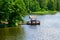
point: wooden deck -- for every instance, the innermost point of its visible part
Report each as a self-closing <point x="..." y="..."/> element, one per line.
<point x="33" y="22"/>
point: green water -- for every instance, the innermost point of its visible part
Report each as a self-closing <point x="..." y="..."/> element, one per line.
<point x="12" y="33"/>
<point x="49" y="29"/>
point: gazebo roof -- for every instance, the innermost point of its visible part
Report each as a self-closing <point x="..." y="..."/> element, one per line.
<point x="32" y="16"/>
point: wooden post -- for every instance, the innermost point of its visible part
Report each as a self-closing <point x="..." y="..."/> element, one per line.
<point x="31" y="21"/>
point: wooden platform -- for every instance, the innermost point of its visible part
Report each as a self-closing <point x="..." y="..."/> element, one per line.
<point x="33" y="22"/>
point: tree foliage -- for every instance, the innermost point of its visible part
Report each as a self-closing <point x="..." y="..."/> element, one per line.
<point x="12" y="11"/>
<point x="41" y="5"/>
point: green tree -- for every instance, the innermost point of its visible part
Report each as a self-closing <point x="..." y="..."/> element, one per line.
<point x="3" y="10"/>
<point x="34" y="6"/>
<point x="50" y="5"/>
<point x="17" y="10"/>
<point x="13" y="11"/>
<point x="58" y="5"/>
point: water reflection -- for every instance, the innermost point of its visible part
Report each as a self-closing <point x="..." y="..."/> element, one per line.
<point x="33" y="26"/>
<point x="48" y="30"/>
<point x="11" y="33"/>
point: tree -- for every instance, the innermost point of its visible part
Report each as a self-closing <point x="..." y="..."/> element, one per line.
<point x="58" y="5"/>
<point x="3" y="10"/>
<point x="34" y="5"/>
<point x="17" y="10"/>
<point x="50" y="5"/>
<point x="13" y="11"/>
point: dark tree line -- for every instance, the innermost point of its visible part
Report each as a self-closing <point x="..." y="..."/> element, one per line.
<point x="41" y="5"/>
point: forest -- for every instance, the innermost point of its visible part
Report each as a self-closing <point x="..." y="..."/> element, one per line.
<point x="42" y="5"/>
<point x="13" y="11"/>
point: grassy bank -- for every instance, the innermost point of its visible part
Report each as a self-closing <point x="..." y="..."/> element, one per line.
<point x="44" y="12"/>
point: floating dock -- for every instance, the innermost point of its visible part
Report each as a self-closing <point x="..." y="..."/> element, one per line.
<point x="33" y="21"/>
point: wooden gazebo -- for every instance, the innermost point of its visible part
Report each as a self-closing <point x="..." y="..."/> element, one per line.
<point x="33" y="20"/>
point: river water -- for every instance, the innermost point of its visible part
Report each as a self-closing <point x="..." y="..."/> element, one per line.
<point x="49" y="29"/>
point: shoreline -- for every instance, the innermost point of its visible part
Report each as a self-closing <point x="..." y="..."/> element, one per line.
<point x="44" y="12"/>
